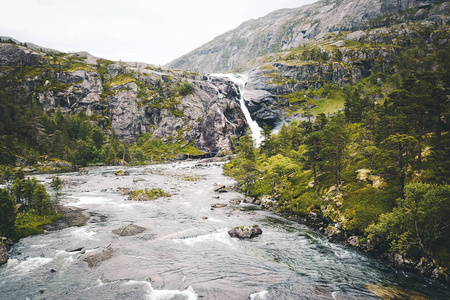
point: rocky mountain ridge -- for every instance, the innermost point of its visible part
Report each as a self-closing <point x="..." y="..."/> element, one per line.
<point x="350" y="41"/>
<point x="287" y="28"/>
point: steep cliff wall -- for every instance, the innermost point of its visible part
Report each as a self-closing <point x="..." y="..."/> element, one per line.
<point x="130" y="99"/>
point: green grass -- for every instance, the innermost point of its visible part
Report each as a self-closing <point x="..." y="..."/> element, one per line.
<point x="29" y="223"/>
<point x="143" y="195"/>
<point x="121" y="79"/>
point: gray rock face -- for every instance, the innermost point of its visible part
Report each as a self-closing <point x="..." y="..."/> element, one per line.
<point x="245" y="232"/>
<point x="129" y="230"/>
<point x="287" y="28"/>
<point x="73" y="216"/>
<point x="96" y="259"/>
<point x="133" y="98"/>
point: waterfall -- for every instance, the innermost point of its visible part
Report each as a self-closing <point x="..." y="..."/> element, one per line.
<point x="241" y="80"/>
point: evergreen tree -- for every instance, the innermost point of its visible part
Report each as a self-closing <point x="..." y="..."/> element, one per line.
<point x="7" y="213"/>
<point x="335" y="139"/>
<point x="400" y="152"/>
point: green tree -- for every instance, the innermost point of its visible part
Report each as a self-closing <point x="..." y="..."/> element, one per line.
<point x="41" y="200"/>
<point x="7" y="213"/>
<point x="56" y="185"/>
<point x="314" y="144"/>
<point x="420" y="220"/>
<point x="280" y="168"/>
<point x="400" y="152"/>
<point x="335" y="139"/>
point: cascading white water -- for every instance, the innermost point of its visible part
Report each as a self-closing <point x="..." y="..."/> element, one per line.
<point x="186" y="253"/>
<point x="241" y="80"/>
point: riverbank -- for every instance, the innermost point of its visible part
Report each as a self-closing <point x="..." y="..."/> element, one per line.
<point x="181" y="247"/>
<point x="335" y="233"/>
<point x="72" y="216"/>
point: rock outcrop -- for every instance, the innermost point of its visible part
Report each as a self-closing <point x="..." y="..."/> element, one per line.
<point x="245" y="232"/>
<point x="129" y="99"/>
<point x="96" y="259"/>
<point x="73" y="217"/>
<point x="129" y="230"/>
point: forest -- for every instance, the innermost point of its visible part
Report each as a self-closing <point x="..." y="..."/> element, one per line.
<point x="380" y="168"/>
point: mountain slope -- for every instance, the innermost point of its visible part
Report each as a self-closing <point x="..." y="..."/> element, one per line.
<point x="176" y="110"/>
<point x="287" y="28"/>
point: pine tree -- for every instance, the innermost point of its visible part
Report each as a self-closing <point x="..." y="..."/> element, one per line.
<point x="7" y="213"/>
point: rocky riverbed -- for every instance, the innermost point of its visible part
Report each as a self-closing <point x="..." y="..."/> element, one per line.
<point x="179" y="247"/>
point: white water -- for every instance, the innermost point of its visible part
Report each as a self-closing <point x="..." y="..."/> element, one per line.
<point x="185" y="252"/>
<point x="241" y="80"/>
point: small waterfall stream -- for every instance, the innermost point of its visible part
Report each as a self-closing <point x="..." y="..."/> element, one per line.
<point x="241" y="80"/>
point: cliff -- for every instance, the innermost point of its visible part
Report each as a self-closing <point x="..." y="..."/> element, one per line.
<point x="127" y="99"/>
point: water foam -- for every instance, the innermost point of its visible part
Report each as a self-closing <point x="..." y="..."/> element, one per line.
<point x="89" y="200"/>
<point x="83" y="234"/>
<point x="29" y="264"/>
<point x="188" y="294"/>
<point x="152" y="294"/>
<point x="259" y="296"/>
<point x="220" y="236"/>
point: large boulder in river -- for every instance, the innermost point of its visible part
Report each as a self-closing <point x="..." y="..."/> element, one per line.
<point x="95" y="259"/>
<point x="245" y="232"/>
<point x="129" y="230"/>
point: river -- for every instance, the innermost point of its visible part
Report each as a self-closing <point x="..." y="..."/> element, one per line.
<point x="186" y="252"/>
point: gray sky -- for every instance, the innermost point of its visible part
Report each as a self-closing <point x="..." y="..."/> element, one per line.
<point x="130" y="30"/>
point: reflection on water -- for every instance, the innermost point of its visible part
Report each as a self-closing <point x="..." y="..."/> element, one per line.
<point x="186" y="252"/>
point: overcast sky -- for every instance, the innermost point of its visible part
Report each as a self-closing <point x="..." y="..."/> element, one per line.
<point x="129" y="30"/>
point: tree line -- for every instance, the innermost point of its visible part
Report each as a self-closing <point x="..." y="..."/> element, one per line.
<point x="382" y="166"/>
<point x="25" y="205"/>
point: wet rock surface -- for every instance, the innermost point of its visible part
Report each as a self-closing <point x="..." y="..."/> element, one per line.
<point x="73" y="216"/>
<point x="186" y="252"/>
<point x="245" y="232"/>
<point x="129" y="230"/>
<point x="96" y="259"/>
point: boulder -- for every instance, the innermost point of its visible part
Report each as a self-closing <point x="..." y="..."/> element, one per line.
<point x="95" y="260"/>
<point x="425" y="266"/>
<point x="138" y="179"/>
<point x="129" y="230"/>
<point x="73" y="216"/>
<point x="76" y="249"/>
<point x="235" y="201"/>
<point x="267" y="202"/>
<point x="353" y="241"/>
<point x="245" y="232"/>
<point x="222" y="189"/>
<point x="334" y="234"/>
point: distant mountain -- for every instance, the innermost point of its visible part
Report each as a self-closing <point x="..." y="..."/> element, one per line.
<point x="287" y="28"/>
<point x="28" y="44"/>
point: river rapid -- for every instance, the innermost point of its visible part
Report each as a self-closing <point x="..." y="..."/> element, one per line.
<point x="186" y="252"/>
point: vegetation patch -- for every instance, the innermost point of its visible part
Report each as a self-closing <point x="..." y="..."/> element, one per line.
<point x="147" y="195"/>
